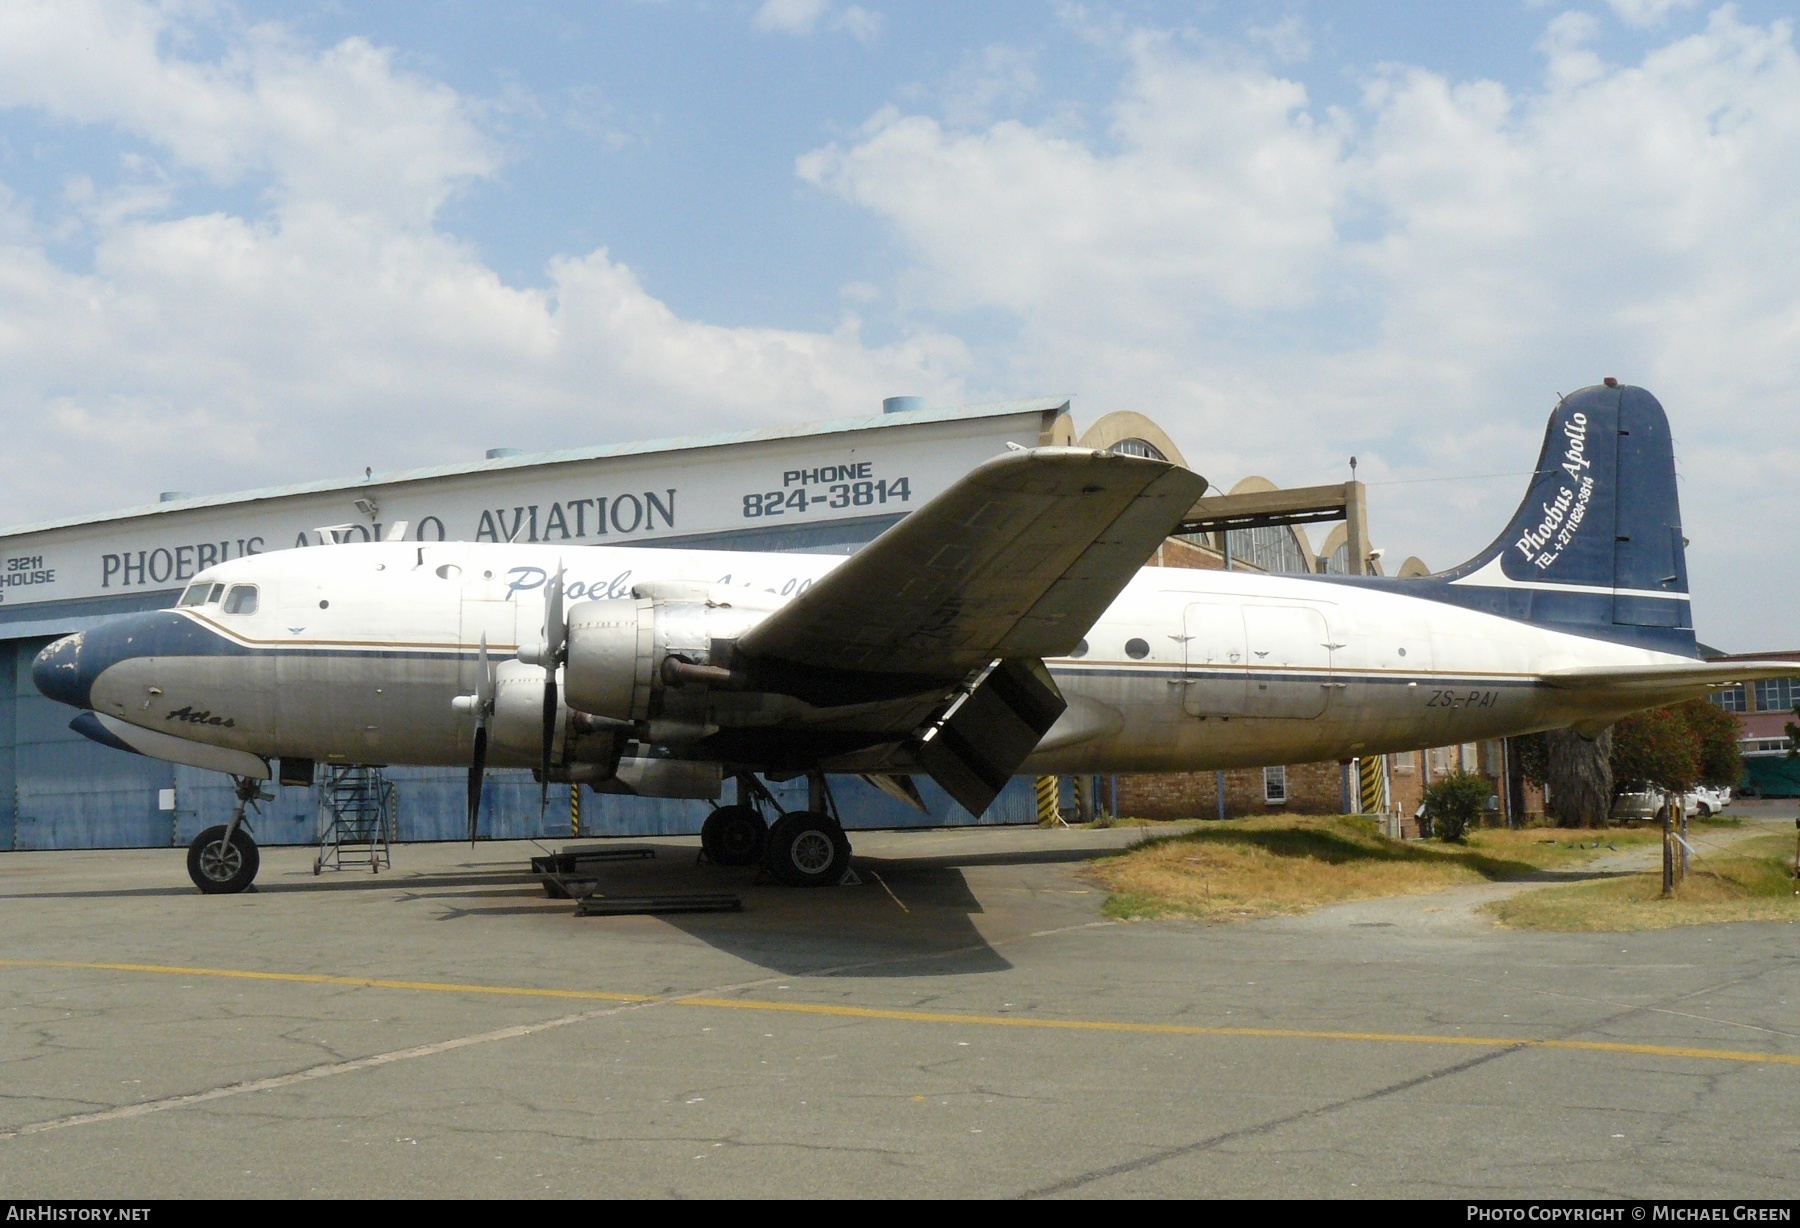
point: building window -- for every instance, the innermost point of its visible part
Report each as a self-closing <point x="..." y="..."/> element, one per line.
<point x="1469" y="763"/>
<point x="1273" y="548"/>
<point x="1275" y="786"/>
<point x="1732" y="698"/>
<point x="1407" y="761"/>
<point x="1138" y="447"/>
<point x="1777" y="694"/>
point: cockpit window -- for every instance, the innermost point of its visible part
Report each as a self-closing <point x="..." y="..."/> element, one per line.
<point x="241" y="599"/>
<point x="195" y="595"/>
<point x="218" y="591"/>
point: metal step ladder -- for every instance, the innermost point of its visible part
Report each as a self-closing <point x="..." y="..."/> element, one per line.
<point x="356" y="820"/>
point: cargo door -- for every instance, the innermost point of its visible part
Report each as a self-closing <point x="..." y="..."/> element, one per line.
<point x="1216" y="678"/>
<point x="1289" y="661"/>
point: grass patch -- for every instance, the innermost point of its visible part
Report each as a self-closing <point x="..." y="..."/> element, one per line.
<point x="1293" y="863"/>
<point x="1752" y="881"/>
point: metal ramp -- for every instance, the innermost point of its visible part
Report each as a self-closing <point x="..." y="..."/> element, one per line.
<point x="356" y="820"/>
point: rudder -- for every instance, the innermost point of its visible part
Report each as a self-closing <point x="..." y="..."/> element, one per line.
<point x="1596" y="547"/>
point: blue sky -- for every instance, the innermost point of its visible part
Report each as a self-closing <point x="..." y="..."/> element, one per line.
<point x="266" y="242"/>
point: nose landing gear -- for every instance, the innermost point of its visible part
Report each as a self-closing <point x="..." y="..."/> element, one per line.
<point x="223" y="860"/>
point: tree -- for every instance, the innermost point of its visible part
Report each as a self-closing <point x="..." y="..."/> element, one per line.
<point x="1578" y="777"/>
<point x="1672" y="748"/>
<point x="1721" y="758"/>
<point x="1454" y="802"/>
<point x="1574" y="772"/>
<point x="1657" y="749"/>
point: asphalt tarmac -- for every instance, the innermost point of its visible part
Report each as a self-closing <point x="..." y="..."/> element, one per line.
<point x="965" y="1022"/>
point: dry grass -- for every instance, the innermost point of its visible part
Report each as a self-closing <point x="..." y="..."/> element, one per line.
<point x="1752" y="881"/>
<point x="1289" y="863"/>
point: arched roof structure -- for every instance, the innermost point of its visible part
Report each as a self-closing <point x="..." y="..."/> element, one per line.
<point x="1127" y="427"/>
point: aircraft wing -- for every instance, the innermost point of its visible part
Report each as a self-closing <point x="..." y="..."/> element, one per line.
<point x="1697" y="676"/>
<point x="1016" y="560"/>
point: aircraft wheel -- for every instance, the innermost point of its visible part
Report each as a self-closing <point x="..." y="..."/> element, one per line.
<point x="807" y="850"/>
<point x="218" y="868"/>
<point x="734" y="836"/>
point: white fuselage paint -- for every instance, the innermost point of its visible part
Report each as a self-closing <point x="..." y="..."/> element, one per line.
<point x="355" y="652"/>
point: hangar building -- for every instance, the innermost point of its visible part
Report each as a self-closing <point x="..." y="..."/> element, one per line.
<point x="728" y="491"/>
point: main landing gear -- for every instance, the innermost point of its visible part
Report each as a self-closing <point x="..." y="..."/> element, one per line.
<point x="802" y="848"/>
<point x="223" y="860"/>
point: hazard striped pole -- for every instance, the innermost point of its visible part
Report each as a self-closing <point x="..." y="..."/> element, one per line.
<point x="574" y="809"/>
<point x="1049" y="811"/>
<point x="1371" y="793"/>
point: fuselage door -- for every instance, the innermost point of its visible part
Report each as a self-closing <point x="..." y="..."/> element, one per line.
<point x="1216" y="680"/>
<point x="1289" y="661"/>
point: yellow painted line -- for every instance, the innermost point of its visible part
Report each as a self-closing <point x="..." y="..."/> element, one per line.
<point x="320" y="978"/>
<point x="897" y="1015"/>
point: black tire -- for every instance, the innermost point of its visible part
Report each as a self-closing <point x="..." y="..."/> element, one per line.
<point x="734" y="836"/>
<point x="1703" y="810"/>
<point x="807" y="850"/>
<point x="218" y="870"/>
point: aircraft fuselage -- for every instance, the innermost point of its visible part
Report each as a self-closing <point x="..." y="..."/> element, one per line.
<point x="354" y="654"/>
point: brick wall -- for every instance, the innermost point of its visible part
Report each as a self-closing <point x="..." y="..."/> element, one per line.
<point x="1312" y="788"/>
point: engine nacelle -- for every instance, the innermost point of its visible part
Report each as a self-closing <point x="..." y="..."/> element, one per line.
<point x="516" y="728"/>
<point x="616" y="648"/>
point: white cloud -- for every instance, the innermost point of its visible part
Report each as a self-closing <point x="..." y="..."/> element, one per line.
<point x="790" y="16"/>
<point x="337" y="326"/>
<point x="995" y="79"/>
<point x="343" y="124"/>
<point x="1287" y="40"/>
<point x="802" y="17"/>
<point x="1283" y="285"/>
<point x="859" y="23"/>
<point x="1643" y="13"/>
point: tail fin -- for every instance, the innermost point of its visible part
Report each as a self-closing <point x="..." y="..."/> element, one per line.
<point x="1596" y="547"/>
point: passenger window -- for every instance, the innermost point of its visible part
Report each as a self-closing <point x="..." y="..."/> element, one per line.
<point x="241" y="599"/>
<point x="195" y="595"/>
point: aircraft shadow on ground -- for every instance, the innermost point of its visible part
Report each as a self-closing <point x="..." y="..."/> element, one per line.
<point x="910" y="916"/>
<point x="906" y="918"/>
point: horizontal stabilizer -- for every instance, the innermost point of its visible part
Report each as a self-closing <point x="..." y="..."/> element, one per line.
<point x="1699" y="677"/>
<point x="984" y="737"/>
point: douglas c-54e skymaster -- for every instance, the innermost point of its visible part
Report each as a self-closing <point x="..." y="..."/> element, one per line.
<point x="1008" y="625"/>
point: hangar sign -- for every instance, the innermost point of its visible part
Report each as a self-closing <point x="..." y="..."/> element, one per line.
<point x="773" y="488"/>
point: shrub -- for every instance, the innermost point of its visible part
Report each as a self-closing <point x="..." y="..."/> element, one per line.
<point x="1453" y="803"/>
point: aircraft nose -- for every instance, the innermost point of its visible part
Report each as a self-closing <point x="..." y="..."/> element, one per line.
<point x="59" y="673"/>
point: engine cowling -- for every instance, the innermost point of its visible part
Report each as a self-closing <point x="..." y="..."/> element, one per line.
<point x="616" y="648"/>
<point x="516" y="729"/>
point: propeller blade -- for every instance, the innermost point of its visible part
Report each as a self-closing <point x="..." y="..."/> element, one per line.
<point x="550" y="698"/>
<point x="554" y="629"/>
<point x="553" y="647"/>
<point x="484" y="708"/>
<point x="484" y="683"/>
<point x="477" y="766"/>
